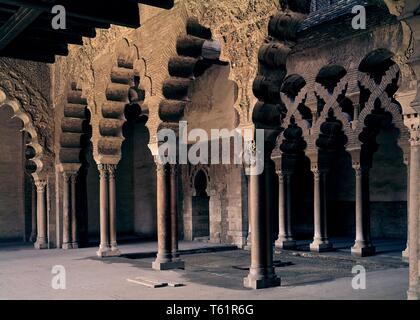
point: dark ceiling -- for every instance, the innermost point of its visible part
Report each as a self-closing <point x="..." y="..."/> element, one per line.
<point x="26" y="30"/>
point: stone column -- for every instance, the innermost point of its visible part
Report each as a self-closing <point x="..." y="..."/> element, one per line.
<point x="174" y="215"/>
<point x="113" y="211"/>
<point x="41" y="213"/>
<point x="285" y="240"/>
<point x="164" y="257"/>
<point x="32" y="238"/>
<point x="104" y="247"/>
<point x="289" y="207"/>
<point x="261" y="273"/>
<point x="362" y="246"/>
<point x="66" y="212"/>
<point x="74" y="225"/>
<point x="405" y="254"/>
<point x="413" y="122"/>
<point x="320" y="242"/>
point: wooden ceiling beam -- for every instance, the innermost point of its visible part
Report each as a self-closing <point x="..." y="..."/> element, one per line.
<point x="123" y="13"/>
<point x="17" y="24"/>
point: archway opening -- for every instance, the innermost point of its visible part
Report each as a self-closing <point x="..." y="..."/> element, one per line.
<point x="136" y="174"/>
<point x="17" y="190"/>
<point x="200" y="208"/>
<point x="387" y="175"/>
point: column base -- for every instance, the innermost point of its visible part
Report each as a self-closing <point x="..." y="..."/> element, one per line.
<point x="405" y="255"/>
<point x="66" y="246"/>
<point x="412" y="295"/>
<point x="360" y="250"/>
<point x="253" y="282"/>
<point x="40" y="244"/>
<point x="168" y="265"/>
<point x="285" y="244"/>
<point x="320" y="246"/>
<point x="107" y="252"/>
<point x="75" y="245"/>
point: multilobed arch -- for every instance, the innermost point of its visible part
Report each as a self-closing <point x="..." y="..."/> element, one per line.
<point x="75" y="126"/>
<point x="197" y="52"/>
<point x="345" y="120"/>
<point x="122" y="78"/>
<point x="34" y="151"/>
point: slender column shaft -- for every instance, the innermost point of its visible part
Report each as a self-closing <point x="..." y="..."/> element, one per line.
<point x="261" y="273"/>
<point x="41" y="242"/>
<point x="285" y="238"/>
<point x="362" y="246"/>
<point x="282" y="211"/>
<point x="66" y="211"/>
<point x="359" y="207"/>
<point x="366" y="206"/>
<point x="112" y="209"/>
<point x="324" y="220"/>
<point x="289" y="207"/>
<point x="33" y="212"/>
<point x="163" y="214"/>
<point x="74" y="222"/>
<point x="174" y="212"/>
<point x="103" y="207"/>
<point x="414" y="290"/>
<point x="317" y="206"/>
<point x="405" y="253"/>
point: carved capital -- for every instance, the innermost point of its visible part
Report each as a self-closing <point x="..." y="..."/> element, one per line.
<point x="40" y="185"/>
<point x="111" y="168"/>
<point x="103" y="171"/>
<point x="412" y="122"/>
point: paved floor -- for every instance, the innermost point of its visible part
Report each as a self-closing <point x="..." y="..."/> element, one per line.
<point x="212" y="272"/>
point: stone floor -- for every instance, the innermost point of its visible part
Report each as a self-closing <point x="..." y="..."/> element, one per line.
<point x="212" y="272"/>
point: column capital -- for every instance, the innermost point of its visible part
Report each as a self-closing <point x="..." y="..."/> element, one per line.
<point x="103" y="170"/>
<point x="40" y="185"/>
<point x="111" y="168"/>
<point x="69" y="175"/>
<point x="160" y="167"/>
<point x="412" y="122"/>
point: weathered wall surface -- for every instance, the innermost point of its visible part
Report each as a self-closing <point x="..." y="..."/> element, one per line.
<point x="12" y="224"/>
<point x="30" y="84"/>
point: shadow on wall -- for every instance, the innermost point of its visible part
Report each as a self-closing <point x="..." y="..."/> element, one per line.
<point x="136" y="183"/>
<point x="12" y="190"/>
<point x="212" y="96"/>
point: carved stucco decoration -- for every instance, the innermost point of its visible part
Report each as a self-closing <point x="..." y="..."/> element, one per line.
<point x="34" y="104"/>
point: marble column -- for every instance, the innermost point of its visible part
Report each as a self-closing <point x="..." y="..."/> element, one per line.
<point x="285" y="239"/>
<point x="405" y="254"/>
<point x="164" y="259"/>
<point x="74" y="222"/>
<point x="107" y="193"/>
<point x="320" y="242"/>
<point x="413" y="122"/>
<point x="261" y="273"/>
<point x="66" y="211"/>
<point x="174" y="213"/>
<point x="363" y="245"/>
<point x="42" y="237"/>
<point x="104" y="246"/>
<point x="112" y="211"/>
<point x="32" y="238"/>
